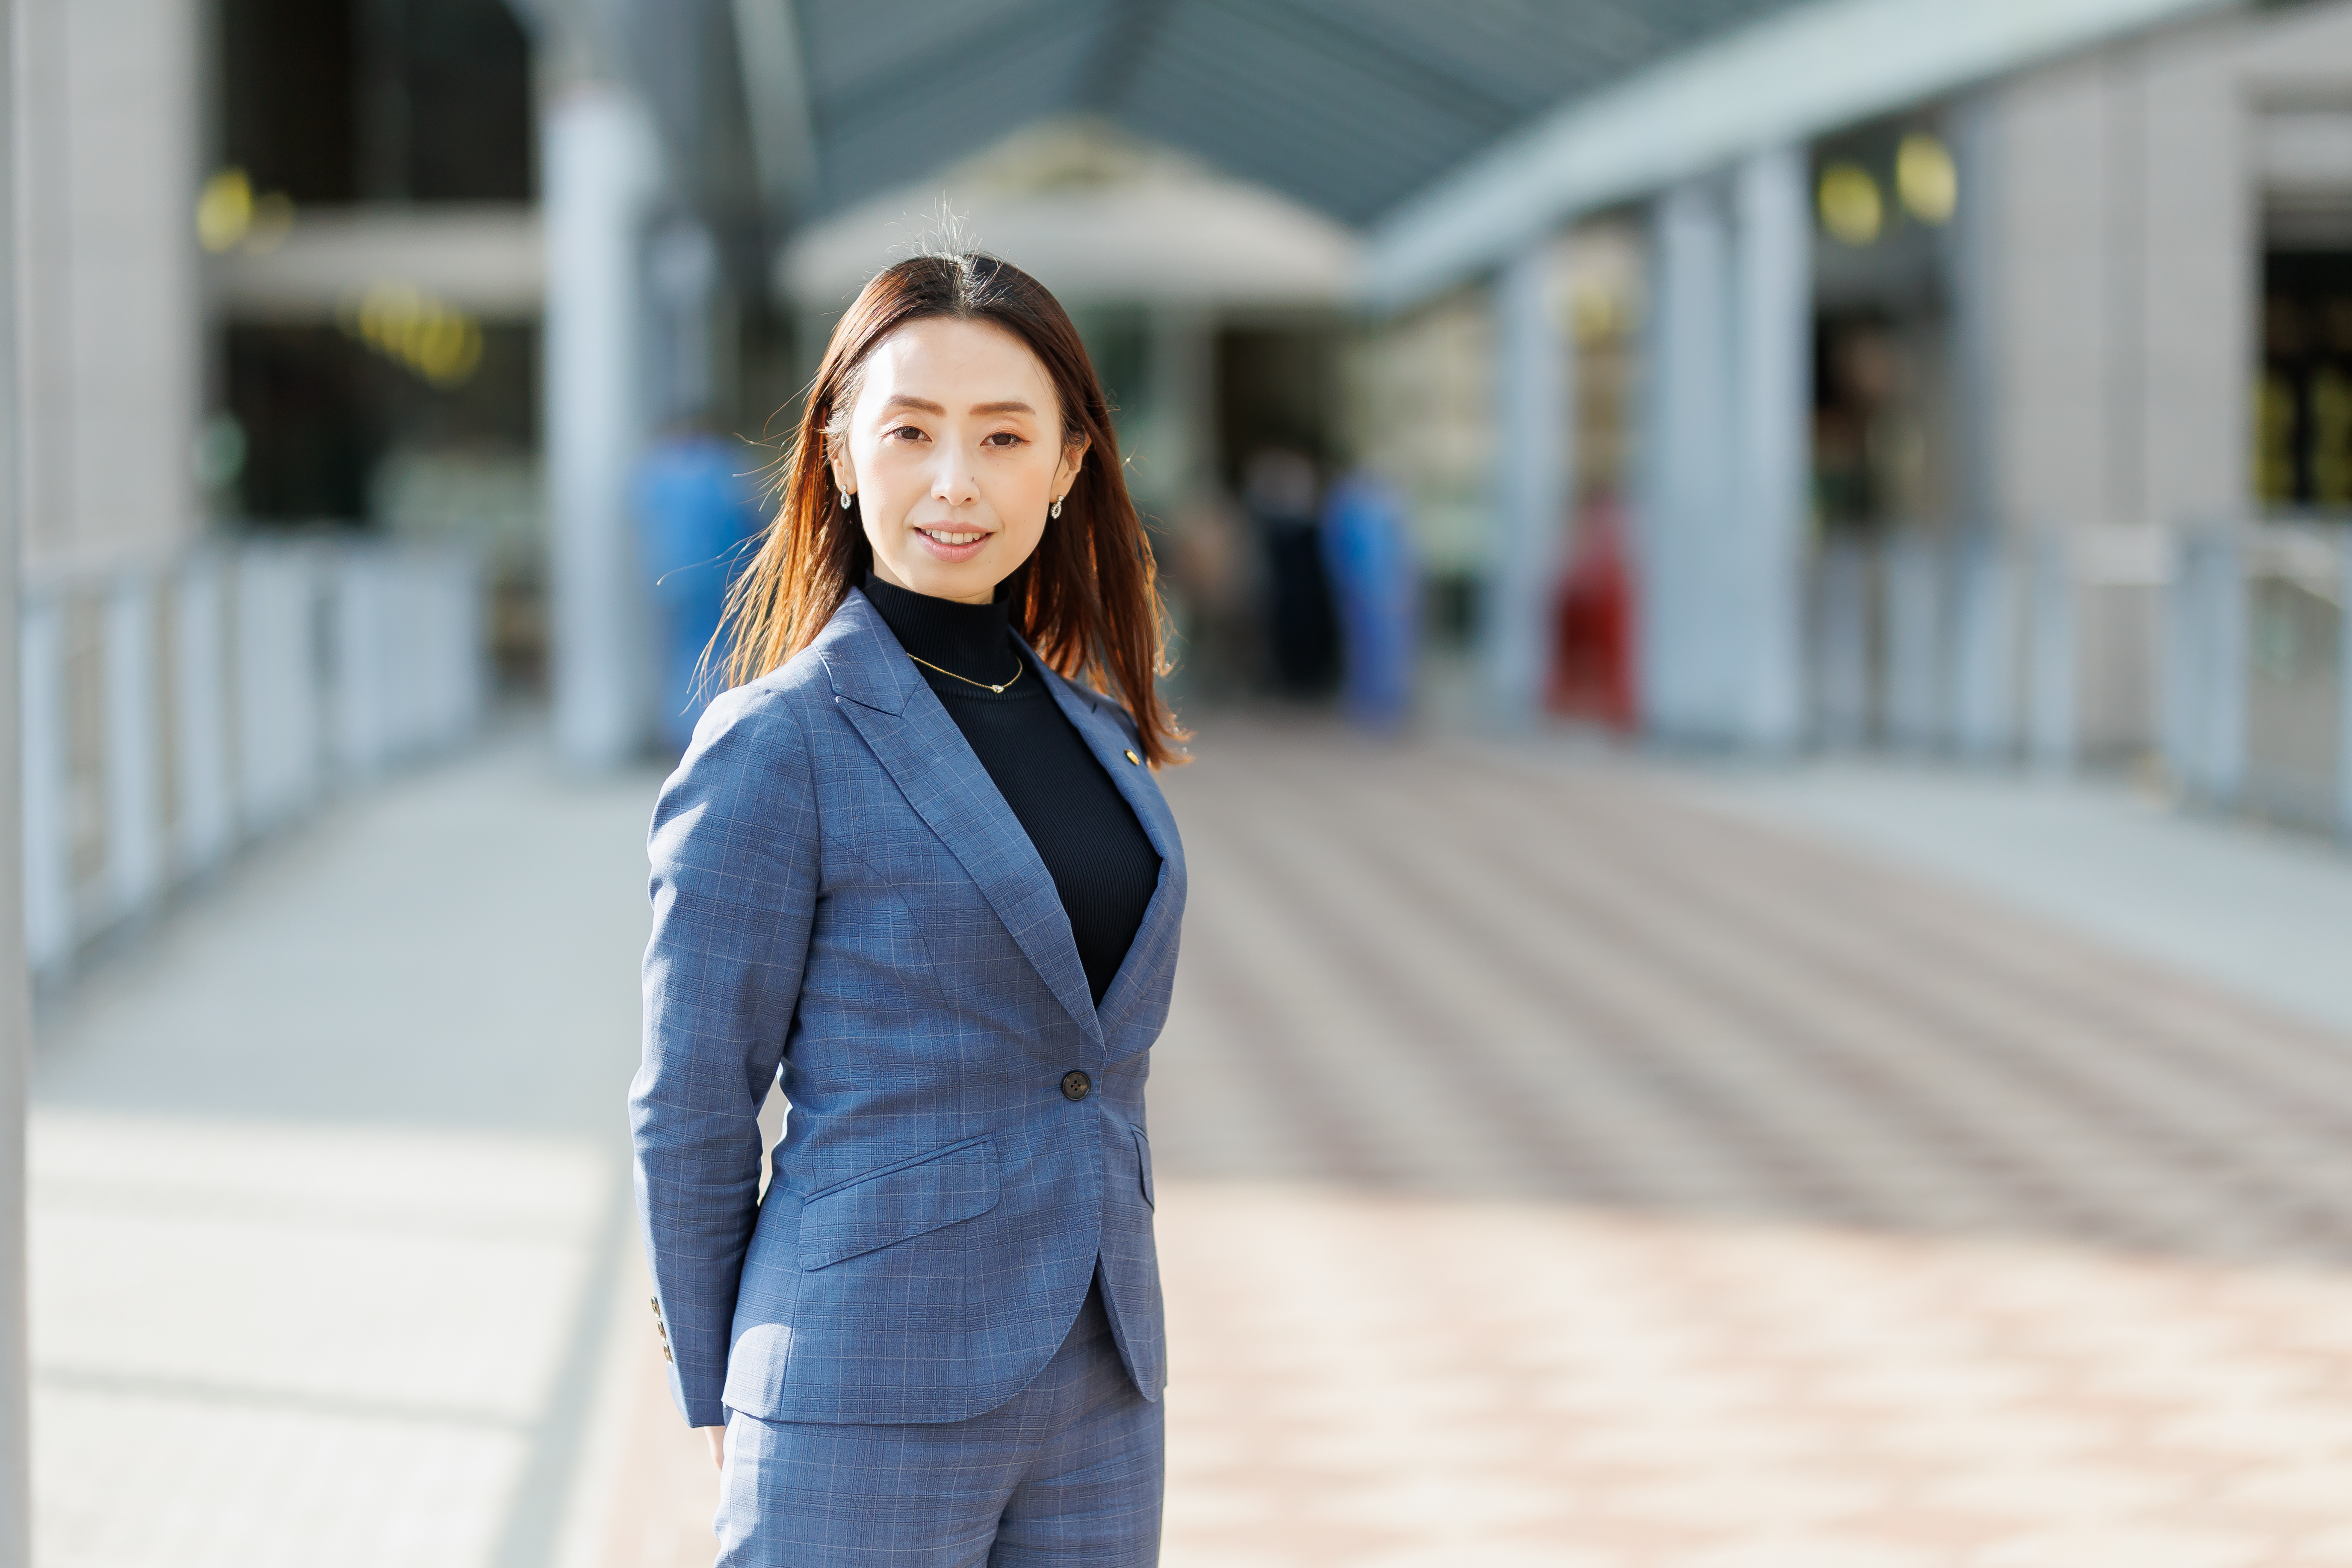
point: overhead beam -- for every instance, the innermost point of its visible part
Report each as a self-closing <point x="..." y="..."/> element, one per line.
<point x="1786" y="80"/>
<point x="775" y="92"/>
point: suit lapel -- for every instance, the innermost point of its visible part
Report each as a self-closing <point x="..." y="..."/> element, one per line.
<point x="925" y="755"/>
<point x="1146" y="955"/>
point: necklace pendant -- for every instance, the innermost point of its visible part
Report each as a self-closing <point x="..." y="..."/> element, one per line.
<point x="996" y="689"/>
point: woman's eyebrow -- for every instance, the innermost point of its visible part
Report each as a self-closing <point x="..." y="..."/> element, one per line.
<point x="1010" y="405"/>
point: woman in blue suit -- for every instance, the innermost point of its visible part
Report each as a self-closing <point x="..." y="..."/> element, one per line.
<point x="915" y="861"/>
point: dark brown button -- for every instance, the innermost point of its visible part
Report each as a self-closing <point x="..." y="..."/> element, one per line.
<point x="1075" y="1085"/>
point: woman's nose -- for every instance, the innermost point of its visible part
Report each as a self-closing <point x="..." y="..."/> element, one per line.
<point x="953" y="482"/>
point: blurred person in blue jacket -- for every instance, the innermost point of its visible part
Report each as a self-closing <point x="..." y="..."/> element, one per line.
<point x="696" y="507"/>
<point x="1370" y="562"/>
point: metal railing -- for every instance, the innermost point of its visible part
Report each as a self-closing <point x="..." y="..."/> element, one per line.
<point x="1990" y="649"/>
<point x="173" y="713"/>
<point x="2258" y="679"/>
<point x="2223" y="648"/>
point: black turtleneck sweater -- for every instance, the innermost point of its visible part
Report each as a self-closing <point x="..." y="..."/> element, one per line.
<point x="1102" y="864"/>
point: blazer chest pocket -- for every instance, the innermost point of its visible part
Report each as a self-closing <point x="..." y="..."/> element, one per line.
<point x="898" y="1203"/>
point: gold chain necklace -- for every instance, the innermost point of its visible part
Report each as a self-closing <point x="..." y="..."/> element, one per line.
<point x="967" y="679"/>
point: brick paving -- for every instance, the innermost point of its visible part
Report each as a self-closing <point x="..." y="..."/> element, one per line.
<point x="1554" y="1172"/>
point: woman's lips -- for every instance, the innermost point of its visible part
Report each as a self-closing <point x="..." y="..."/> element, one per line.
<point x="952" y="545"/>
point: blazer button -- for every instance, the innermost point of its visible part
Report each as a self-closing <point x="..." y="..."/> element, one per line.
<point x="1075" y="1085"/>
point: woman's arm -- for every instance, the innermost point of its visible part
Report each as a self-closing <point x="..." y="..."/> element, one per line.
<point x="734" y="848"/>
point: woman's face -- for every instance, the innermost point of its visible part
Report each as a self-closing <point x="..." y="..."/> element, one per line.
<point x="954" y="451"/>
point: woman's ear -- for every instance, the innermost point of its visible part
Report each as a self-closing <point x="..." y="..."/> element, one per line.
<point x="1073" y="454"/>
<point x="845" y="472"/>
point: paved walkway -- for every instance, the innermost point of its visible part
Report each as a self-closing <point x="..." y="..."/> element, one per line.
<point x="1561" y="1164"/>
<point x="1561" y="1169"/>
<point x="329" y="1186"/>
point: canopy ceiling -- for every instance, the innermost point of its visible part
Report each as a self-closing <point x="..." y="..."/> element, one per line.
<point x="1349" y="106"/>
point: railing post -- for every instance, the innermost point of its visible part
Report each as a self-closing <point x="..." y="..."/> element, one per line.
<point x="134" y="772"/>
<point x="2222" y="727"/>
<point x="2344" y="682"/>
<point x="47" y="879"/>
<point x="2052" y="681"/>
<point x="1984" y="649"/>
<point x="277" y="685"/>
<point x="362" y="626"/>
<point x="207" y="820"/>
<point x="1915" y="642"/>
<point x="1842" y="643"/>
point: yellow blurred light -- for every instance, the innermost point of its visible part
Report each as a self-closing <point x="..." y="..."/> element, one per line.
<point x="1925" y="178"/>
<point x="432" y="339"/>
<point x="223" y="210"/>
<point x="1850" y="207"/>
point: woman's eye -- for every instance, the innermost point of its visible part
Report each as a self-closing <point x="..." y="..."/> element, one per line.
<point x="907" y="433"/>
<point x="1003" y="439"/>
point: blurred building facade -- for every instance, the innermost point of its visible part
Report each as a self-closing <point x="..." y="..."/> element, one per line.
<point x="1981" y="395"/>
<point x="1966" y="380"/>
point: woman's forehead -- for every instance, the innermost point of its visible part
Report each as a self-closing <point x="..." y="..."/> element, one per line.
<point x="975" y="361"/>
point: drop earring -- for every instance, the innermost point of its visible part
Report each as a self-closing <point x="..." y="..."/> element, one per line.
<point x="845" y="500"/>
<point x="1055" y="510"/>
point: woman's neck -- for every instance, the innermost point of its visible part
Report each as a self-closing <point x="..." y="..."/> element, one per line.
<point x="975" y="641"/>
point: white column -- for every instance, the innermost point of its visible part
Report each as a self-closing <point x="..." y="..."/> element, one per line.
<point x="1773" y="371"/>
<point x="1534" y="467"/>
<point x="15" y="1021"/>
<point x="601" y="164"/>
<point x="135" y="752"/>
<point x="1687" y="471"/>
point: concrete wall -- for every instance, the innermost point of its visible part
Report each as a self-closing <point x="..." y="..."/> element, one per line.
<point x="106" y="106"/>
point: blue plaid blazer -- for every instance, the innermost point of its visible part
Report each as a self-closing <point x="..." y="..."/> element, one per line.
<point x="839" y="892"/>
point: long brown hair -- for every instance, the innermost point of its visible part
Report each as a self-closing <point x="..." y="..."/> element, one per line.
<point x="1086" y="599"/>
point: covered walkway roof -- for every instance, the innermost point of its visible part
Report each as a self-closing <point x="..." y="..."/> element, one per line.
<point x="1346" y="105"/>
<point x="1447" y="133"/>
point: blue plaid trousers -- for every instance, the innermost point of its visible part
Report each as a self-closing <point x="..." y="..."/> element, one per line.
<point x="1068" y="1473"/>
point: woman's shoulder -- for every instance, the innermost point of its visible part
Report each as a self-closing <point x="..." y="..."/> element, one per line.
<point x="766" y="720"/>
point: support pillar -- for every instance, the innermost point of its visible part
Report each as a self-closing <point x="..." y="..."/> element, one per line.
<point x="601" y="169"/>
<point x="15" y="1013"/>
<point x="1534" y="469"/>
<point x="1773" y="378"/>
<point x="1686" y="483"/>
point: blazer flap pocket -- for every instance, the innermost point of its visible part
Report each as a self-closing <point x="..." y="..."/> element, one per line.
<point x="897" y="1202"/>
<point x="1143" y="1161"/>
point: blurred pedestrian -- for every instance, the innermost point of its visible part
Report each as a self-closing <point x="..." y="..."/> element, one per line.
<point x="915" y="871"/>
<point x="1378" y="589"/>
<point x="695" y="510"/>
<point x="1278" y="487"/>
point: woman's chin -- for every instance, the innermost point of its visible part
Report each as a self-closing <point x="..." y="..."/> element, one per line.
<point x="972" y="578"/>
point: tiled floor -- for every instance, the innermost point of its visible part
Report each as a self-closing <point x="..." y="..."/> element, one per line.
<point x="1556" y="1173"/>
<point x="1553" y="1170"/>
